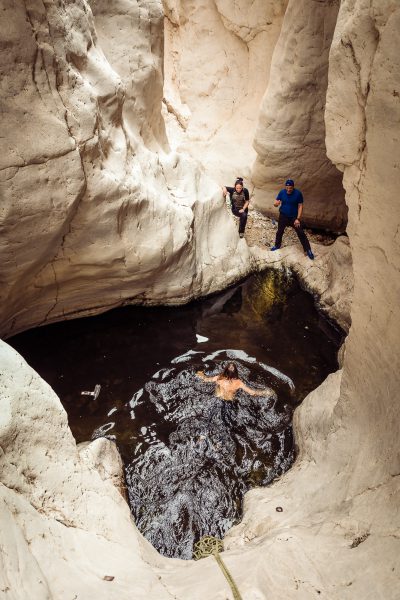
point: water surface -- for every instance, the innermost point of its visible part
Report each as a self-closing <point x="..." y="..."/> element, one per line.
<point x="189" y="456"/>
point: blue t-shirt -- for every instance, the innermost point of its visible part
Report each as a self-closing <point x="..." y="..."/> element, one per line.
<point x="290" y="202"/>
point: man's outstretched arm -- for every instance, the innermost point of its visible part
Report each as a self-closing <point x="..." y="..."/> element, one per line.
<point x="253" y="392"/>
<point x="205" y="377"/>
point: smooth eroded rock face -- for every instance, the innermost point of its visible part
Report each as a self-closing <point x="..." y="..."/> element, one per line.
<point x="217" y="59"/>
<point x="290" y="137"/>
<point x="365" y="141"/>
<point x="64" y="525"/>
<point x="60" y="510"/>
<point x="96" y="209"/>
<point x="341" y="500"/>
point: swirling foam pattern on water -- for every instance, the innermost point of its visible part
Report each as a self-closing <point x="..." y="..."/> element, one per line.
<point x="189" y="455"/>
<point x="199" y="454"/>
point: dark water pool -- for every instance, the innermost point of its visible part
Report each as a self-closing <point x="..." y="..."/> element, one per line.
<point x="189" y="456"/>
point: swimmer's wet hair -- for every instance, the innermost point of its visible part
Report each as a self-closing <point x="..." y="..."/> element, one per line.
<point x="230" y="371"/>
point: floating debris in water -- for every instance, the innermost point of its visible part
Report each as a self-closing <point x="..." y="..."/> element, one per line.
<point x="201" y="339"/>
<point x="95" y="392"/>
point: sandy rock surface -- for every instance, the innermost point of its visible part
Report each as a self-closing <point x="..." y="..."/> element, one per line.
<point x="372" y="361"/>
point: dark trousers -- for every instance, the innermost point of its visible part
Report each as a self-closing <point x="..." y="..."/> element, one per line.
<point x="283" y="222"/>
<point x="242" y="216"/>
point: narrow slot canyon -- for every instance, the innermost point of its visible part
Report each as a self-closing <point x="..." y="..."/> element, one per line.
<point x="122" y="267"/>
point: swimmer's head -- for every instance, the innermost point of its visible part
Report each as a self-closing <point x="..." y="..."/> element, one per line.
<point x="230" y="371"/>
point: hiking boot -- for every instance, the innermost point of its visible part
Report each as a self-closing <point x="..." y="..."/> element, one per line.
<point x="275" y="248"/>
<point x="310" y="255"/>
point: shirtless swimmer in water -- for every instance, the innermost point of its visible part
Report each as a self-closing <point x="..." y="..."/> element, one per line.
<point x="228" y="383"/>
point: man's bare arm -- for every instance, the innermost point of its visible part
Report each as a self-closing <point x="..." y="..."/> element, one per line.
<point x="205" y="377"/>
<point x="299" y="213"/>
<point x="253" y="392"/>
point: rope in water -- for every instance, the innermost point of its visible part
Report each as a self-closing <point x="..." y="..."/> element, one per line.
<point x="211" y="546"/>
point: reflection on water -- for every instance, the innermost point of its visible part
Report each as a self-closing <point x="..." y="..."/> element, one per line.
<point x="190" y="456"/>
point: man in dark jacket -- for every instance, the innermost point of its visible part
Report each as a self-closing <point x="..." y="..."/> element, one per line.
<point x="290" y="202"/>
<point x="239" y="202"/>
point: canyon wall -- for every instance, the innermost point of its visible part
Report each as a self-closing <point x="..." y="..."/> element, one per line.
<point x="217" y="60"/>
<point x="64" y="525"/>
<point x="96" y="209"/>
<point x="290" y="136"/>
<point x="363" y="140"/>
<point x="339" y="533"/>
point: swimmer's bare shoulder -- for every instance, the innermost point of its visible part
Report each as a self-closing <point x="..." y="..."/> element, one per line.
<point x="227" y="388"/>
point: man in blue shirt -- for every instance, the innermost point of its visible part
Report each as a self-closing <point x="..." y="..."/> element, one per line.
<point x="290" y="202"/>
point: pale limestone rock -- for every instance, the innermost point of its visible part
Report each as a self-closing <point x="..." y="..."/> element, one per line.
<point x="217" y="58"/>
<point x="96" y="210"/>
<point x="64" y="528"/>
<point x="59" y="513"/>
<point x="339" y="531"/>
<point x="290" y="137"/>
<point x="327" y="541"/>
<point x="365" y="48"/>
<point x="103" y="455"/>
<point x="337" y="296"/>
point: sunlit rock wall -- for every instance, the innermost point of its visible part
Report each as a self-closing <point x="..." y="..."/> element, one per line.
<point x="217" y="60"/>
<point x="64" y="526"/>
<point x="339" y="533"/>
<point x="363" y="139"/>
<point x="96" y="210"/>
<point x="290" y="137"/>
